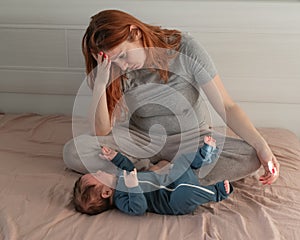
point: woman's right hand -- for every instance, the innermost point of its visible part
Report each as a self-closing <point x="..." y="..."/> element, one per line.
<point x="98" y="111"/>
<point x="103" y="69"/>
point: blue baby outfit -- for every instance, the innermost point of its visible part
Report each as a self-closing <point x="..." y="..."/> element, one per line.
<point x="178" y="192"/>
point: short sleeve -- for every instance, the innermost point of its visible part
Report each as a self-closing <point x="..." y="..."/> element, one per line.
<point x="198" y="62"/>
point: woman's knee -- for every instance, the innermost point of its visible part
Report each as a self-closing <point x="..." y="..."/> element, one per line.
<point x="71" y="157"/>
<point x="237" y="160"/>
<point x="69" y="153"/>
<point x="249" y="157"/>
<point x="81" y="154"/>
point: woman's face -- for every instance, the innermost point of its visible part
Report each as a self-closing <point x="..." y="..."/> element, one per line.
<point x="128" y="55"/>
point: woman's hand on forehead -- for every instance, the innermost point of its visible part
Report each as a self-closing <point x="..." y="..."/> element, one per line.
<point x="103" y="69"/>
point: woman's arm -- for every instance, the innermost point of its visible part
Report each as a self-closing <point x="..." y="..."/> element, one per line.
<point x="98" y="112"/>
<point x="239" y="122"/>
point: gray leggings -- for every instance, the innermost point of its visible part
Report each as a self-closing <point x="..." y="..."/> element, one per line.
<point x="237" y="158"/>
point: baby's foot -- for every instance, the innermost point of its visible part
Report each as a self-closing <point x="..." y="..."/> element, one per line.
<point x="108" y="153"/>
<point x="160" y="167"/>
<point x="210" y="141"/>
<point x="227" y="186"/>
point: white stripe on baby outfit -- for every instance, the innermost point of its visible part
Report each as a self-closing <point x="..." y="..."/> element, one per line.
<point x="182" y="184"/>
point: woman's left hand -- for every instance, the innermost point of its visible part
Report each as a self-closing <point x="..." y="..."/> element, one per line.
<point x="270" y="175"/>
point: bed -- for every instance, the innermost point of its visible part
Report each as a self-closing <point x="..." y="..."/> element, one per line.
<point x="36" y="190"/>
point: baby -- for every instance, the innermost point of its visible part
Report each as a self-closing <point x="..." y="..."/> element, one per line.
<point x="174" y="193"/>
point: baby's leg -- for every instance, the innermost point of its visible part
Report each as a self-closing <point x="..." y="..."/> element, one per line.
<point x="206" y="155"/>
<point x="223" y="189"/>
<point x="236" y="161"/>
<point x="186" y="198"/>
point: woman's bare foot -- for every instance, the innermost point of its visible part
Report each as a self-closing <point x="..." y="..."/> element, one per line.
<point x="108" y="153"/>
<point x="210" y="141"/>
<point x="227" y="186"/>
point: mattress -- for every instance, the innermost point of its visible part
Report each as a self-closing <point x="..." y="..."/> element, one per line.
<point x="36" y="190"/>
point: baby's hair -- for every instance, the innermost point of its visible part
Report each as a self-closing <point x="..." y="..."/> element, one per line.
<point x="86" y="199"/>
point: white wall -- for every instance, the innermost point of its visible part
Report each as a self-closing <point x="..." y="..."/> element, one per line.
<point x="255" y="46"/>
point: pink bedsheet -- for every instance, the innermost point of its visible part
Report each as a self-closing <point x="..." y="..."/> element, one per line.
<point x="36" y="188"/>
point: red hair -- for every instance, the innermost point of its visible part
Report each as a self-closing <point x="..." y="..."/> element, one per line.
<point x="108" y="29"/>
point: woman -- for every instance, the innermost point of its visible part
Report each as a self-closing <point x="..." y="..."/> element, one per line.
<point x="156" y="75"/>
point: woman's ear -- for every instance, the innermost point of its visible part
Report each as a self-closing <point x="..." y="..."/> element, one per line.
<point x="135" y="33"/>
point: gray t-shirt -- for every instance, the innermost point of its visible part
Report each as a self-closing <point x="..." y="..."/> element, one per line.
<point x="176" y="105"/>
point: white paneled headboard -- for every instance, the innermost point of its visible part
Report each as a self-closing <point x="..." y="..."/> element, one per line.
<point x="254" y="44"/>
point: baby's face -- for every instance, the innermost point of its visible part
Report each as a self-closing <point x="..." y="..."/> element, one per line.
<point x="90" y="179"/>
<point x="99" y="179"/>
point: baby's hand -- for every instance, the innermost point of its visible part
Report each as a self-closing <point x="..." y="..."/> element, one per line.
<point x="131" y="179"/>
<point x="108" y="153"/>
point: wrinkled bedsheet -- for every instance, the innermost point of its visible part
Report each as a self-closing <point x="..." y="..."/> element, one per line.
<point x="36" y="189"/>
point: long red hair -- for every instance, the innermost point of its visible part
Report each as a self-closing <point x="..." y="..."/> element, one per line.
<point x="108" y="29"/>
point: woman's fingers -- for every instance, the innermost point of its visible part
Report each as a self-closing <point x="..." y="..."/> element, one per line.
<point x="268" y="178"/>
<point x="101" y="58"/>
<point x="104" y="61"/>
<point x="98" y="57"/>
<point x="95" y="56"/>
<point x="103" y="69"/>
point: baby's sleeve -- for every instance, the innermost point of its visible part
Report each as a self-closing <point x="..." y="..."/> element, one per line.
<point x="123" y="162"/>
<point x="130" y="200"/>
